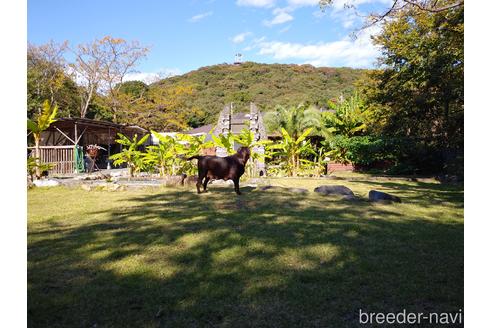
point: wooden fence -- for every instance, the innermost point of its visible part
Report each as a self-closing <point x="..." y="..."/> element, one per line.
<point x="61" y="156"/>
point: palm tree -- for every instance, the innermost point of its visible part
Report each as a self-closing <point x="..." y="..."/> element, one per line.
<point x="295" y="120"/>
<point x="43" y="122"/>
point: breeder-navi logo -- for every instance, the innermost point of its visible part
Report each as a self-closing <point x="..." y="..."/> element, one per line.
<point x="404" y="317"/>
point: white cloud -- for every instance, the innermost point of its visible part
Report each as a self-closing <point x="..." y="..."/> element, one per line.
<point x="345" y="52"/>
<point x="281" y="15"/>
<point x="301" y="3"/>
<point x="199" y="17"/>
<point x="285" y="29"/>
<point x="338" y="5"/>
<point x="256" y="3"/>
<point x="280" y="19"/>
<point x="240" y="37"/>
<point x="151" y="77"/>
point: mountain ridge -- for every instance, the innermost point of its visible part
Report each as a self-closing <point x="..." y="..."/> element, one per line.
<point x="267" y="85"/>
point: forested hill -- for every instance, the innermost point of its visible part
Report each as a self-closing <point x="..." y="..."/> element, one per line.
<point x="266" y="85"/>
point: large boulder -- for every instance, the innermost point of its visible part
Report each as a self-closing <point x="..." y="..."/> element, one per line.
<point x="379" y="196"/>
<point x="336" y="190"/>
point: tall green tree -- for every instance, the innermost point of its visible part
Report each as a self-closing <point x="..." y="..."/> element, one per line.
<point x="419" y="92"/>
<point x="47" y="78"/>
<point x="42" y="122"/>
<point x="295" y="119"/>
<point x="346" y="117"/>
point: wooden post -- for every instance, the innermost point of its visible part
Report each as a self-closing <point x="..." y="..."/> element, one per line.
<point x="109" y="148"/>
<point x="76" y="141"/>
<point x="75" y="134"/>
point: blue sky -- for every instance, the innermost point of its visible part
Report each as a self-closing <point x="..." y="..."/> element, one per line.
<point x="185" y="35"/>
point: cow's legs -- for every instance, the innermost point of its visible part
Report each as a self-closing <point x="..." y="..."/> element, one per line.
<point x="207" y="179"/>
<point x="236" y="186"/>
<point x="199" y="182"/>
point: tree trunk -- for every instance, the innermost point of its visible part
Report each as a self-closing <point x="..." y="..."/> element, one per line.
<point x="293" y="165"/>
<point x="37" y="154"/>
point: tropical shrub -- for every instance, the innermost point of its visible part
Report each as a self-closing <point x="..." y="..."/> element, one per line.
<point x="42" y="122"/>
<point x="33" y="164"/>
<point x="164" y="156"/>
<point x="225" y="141"/>
<point x="130" y="155"/>
<point x="192" y="146"/>
<point x="294" y="120"/>
<point x="246" y="138"/>
<point x="348" y="117"/>
<point x="292" y="149"/>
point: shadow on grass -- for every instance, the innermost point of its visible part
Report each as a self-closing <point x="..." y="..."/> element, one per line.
<point x="422" y="193"/>
<point x="270" y="259"/>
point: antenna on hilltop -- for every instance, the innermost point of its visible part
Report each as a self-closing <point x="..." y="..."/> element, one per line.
<point x="238" y="59"/>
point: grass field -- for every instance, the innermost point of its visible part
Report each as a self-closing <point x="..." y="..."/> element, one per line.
<point x="172" y="258"/>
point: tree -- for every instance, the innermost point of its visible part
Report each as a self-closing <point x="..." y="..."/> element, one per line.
<point x="292" y="148"/>
<point x="154" y="108"/>
<point x="102" y="65"/>
<point x="398" y="6"/>
<point x="130" y="154"/>
<point x="47" y="78"/>
<point x="166" y="154"/>
<point x="419" y="93"/>
<point x="295" y="120"/>
<point x="347" y="117"/>
<point x="42" y="123"/>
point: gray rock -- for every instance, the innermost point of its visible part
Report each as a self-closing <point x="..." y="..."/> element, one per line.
<point x="337" y="190"/>
<point x="379" y="196"/>
<point x="275" y="188"/>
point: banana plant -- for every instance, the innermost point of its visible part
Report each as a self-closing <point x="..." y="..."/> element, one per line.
<point x="192" y="146"/>
<point x="348" y="118"/>
<point x="33" y="165"/>
<point x="292" y="149"/>
<point x="225" y="141"/>
<point x="161" y="155"/>
<point x="43" y="122"/>
<point x="247" y="139"/>
<point x="130" y="154"/>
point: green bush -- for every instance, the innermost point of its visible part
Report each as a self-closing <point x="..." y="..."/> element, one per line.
<point x="399" y="155"/>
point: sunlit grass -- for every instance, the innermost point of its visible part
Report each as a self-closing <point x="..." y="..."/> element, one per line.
<point x="171" y="258"/>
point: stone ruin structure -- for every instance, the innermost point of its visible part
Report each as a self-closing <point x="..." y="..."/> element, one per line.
<point x="234" y="123"/>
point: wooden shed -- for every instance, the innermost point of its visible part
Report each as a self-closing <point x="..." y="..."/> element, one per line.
<point x="65" y="143"/>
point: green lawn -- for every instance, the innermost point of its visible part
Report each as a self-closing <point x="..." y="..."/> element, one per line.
<point x="172" y="258"/>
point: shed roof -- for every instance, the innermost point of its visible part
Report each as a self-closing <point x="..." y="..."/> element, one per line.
<point x="69" y="122"/>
